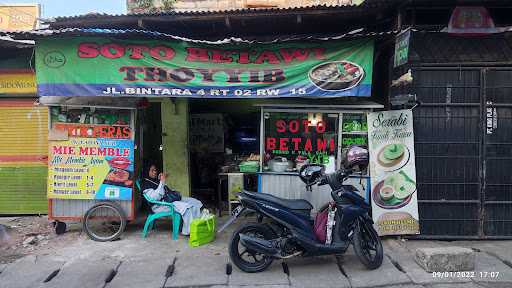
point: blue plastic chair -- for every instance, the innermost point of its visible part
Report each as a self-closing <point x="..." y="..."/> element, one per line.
<point x="175" y="216"/>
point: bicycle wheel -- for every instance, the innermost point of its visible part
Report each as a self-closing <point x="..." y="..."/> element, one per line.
<point x="104" y="221"/>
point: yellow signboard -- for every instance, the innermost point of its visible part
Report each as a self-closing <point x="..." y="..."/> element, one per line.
<point x="91" y="168"/>
<point x="18" y="83"/>
<point x="19" y="16"/>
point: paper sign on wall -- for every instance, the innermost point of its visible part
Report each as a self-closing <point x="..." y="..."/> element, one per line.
<point x="206" y="132"/>
<point x="393" y="172"/>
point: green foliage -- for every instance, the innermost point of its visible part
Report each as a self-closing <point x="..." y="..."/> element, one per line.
<point x="148" y="5"/>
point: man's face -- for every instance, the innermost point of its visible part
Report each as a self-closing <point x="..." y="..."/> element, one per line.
<point x="153" y="172"/>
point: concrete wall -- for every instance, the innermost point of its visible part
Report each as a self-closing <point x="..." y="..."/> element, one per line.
<point x="205" y="5"/>
<point x="175" y="144"/>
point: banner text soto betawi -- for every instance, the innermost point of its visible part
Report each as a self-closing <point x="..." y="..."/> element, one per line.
<point x="265" y="75"/>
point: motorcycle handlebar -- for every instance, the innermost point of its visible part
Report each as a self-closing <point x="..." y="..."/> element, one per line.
<point x="338" y="176"/>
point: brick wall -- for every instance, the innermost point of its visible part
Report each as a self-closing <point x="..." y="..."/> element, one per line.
<point x="205" y="5"/>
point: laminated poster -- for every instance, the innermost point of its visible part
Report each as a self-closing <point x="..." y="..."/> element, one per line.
<point x="92" y="167"/>
<point x="393" y="172"/>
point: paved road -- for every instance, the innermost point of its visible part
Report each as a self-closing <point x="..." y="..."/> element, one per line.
<point x="160" y="262"/>
<point x="206" y="267"/>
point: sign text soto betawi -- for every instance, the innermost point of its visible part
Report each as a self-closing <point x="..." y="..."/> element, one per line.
<point x="182" y="69"/>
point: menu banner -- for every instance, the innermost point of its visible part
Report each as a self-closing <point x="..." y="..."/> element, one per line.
<point x="91" y="168"/>
<point x="158" y="68"/>
<point x="393" y="172"/>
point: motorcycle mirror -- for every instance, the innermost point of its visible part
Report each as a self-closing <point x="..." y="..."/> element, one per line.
<point x="310" y="173"/>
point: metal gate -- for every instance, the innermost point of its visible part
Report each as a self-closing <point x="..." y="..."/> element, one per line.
<point x="497" y="153"/>
<point x="464" y="152"/>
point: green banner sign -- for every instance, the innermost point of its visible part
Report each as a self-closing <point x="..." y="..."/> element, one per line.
<point x="402" y="48"/>
<point x="112" y="67"/>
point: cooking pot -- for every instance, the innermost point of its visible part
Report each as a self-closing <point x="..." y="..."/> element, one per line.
<point x="301" y="161"/>
<point x="280" y="164"/>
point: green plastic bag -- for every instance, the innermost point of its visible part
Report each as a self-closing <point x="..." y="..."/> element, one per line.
<point x="202" y="231"/>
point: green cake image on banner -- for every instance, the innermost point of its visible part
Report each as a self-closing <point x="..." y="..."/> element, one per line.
<point x="92" y="66"/>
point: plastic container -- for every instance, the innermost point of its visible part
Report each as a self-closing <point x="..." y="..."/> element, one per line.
<point x="249" y="166"/>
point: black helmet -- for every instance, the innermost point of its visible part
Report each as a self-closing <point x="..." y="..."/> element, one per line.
<point x="356" y="158"/>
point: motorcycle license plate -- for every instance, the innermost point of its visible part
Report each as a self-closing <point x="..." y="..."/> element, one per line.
<point x="234" y="214"/>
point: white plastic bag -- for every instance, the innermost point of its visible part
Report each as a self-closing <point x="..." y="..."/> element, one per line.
<point x="330" y="224"/>
<point x="205" y="214"/>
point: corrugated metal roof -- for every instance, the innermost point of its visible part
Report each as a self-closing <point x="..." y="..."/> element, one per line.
<point x="8" y="42"/>
<point x="347" y="7"/>
<point x="130" y="33"/>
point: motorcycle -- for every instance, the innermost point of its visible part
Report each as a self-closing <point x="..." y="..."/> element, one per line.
<point x="289" y="231"/>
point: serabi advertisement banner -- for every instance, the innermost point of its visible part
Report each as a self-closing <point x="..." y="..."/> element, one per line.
<point x="91" y="168"/>
<point x="393" y="172"/>
<point x="89" y="66"/>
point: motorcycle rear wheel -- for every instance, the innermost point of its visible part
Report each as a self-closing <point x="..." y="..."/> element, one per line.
<point x="241" y="256"/>
<point x="367" y="245"/>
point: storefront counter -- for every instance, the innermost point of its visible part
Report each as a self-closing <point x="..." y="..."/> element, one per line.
<point x="288" y="185"/>
<point x="230" y="183"/>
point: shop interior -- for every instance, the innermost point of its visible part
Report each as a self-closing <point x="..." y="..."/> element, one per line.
<point x="224" y="138"/>
<point x="225" y="141"/>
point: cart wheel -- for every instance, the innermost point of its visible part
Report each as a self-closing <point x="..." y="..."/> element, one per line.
<point x="60" y="227"/>
<point x="104" y="221"/>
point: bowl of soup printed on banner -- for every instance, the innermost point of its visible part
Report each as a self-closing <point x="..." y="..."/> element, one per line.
<point x="392" y="157"/>
<point x="336" y="75"/>
<point x="394" y="191"/>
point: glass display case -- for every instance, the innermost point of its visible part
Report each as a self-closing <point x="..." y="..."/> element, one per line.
<point x="291" y="139"/>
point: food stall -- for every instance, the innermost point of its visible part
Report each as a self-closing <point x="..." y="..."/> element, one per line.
<point x="294" y="136"/>
<point x="91" y="168"/>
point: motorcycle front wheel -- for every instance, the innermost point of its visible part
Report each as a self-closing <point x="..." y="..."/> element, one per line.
<point x="367" y="245"/>
<point x="245" y="259"/>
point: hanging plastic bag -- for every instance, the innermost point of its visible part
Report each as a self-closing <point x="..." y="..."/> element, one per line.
<point x="202" y="230"/>
<point x="330" y="224"/>
<point x="205" y="213"/>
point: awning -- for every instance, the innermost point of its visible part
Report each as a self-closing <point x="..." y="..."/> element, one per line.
<point x="146" y="34"/>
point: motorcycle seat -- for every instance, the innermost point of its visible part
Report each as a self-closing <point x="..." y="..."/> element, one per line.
<point x="293" y="204"/>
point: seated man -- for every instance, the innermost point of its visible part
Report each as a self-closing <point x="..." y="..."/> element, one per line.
<point x="154" y="187"/>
